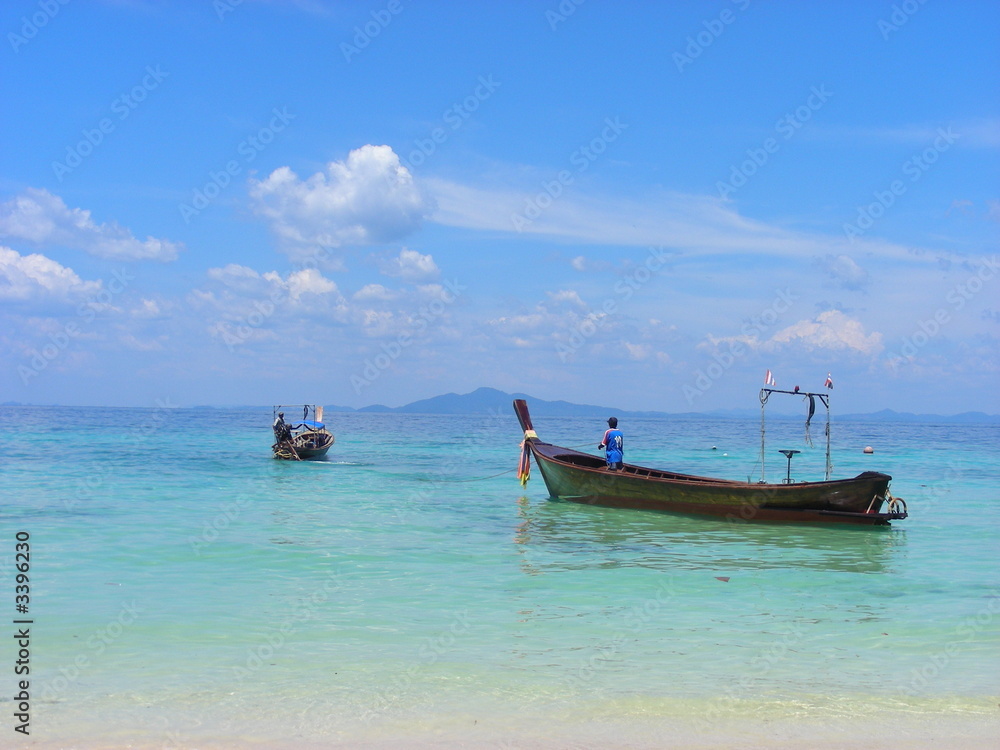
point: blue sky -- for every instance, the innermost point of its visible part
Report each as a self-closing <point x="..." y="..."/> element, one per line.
<point x="642" y="205"/>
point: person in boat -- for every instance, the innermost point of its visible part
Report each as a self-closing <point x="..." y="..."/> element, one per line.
<point x="282" y="432"/>
<point x="613" y="445"/>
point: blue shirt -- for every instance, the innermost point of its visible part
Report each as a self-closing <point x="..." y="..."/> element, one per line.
<point x="614" y="445"/>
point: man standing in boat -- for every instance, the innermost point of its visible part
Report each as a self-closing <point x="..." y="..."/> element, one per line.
<point x="613" y="445"/>
<point x="282" y="432"/>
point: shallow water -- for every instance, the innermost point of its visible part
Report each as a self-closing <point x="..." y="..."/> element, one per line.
<point x="186" y="588"/>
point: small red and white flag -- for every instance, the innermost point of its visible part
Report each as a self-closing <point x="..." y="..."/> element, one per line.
<point x="829" y="382"/>
<point x="769" y="379"/>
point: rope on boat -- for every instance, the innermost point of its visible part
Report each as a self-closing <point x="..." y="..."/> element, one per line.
<point x="494" y="476"/>
<point x="893" y="503"/>
<point x="286" y="452"/>
<point x="479" y="479"/>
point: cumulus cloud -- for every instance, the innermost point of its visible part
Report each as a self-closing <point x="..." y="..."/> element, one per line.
<point x="833" y="331"/>
<point x="41" y="218"/>
<point x="240" y="305"/>
<point x="240" y="281"/>
<point x="411" y="266"/>
<point x="374" y="292"/>
<point x="637" y="352"/>
<point x="568" y="296"/>
<point x="308" y="281"/>
<point x="368" y="199"/>
<point x="34" y="277"/>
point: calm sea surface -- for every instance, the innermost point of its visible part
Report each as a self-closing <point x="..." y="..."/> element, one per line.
<point x="186" y="589"/>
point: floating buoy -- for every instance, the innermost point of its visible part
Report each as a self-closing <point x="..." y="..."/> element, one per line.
<point x="869" y="449"/>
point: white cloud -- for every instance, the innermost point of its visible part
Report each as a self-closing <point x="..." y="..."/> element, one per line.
<point x="308" y="281"/>
<point x="411" y="266"/>
<point x="368" y="199"/>
<point x="33" y="277"/>
<point x="130" y="341"/>
<point x="237" y="277"/>
<point x="971" y="133"/>
<point x="524" y="322"/>
<point x="698" y="225"/>
<point x="41" y="218"/>
<point x="147" y="308"/>
<point x="637" y="352"/>
<point x="373" y="292"/>
<point x="567" y="295"/>
<point x="241" y="286"/>
<point x="844" y="271"/>
<point x="833" y="331"/>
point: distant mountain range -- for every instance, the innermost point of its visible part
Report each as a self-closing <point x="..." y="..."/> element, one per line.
<point x="487" y="400"/>
<point x="491" y="400"/>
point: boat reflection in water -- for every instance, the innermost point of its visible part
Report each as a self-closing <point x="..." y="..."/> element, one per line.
<point x="559" y="536"/>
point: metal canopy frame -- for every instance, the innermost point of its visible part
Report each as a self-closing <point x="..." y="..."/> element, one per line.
<point x="824" y="399"/>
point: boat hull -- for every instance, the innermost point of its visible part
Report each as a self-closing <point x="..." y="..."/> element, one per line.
<point x="310" y="445"/>
<point x="583" y="478"/>
<point x="307" y="453"/>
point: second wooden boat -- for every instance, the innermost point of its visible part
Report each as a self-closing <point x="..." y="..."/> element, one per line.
<point x="300" y="439"/>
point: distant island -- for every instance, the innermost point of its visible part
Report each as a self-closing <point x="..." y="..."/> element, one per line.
<point x="493" y="401"/>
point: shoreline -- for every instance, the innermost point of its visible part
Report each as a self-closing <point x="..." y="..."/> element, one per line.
<point x="637" y="725"/>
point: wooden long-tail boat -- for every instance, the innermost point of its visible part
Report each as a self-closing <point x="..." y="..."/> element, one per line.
<point x="304" y="438"/>
<point x="584" y="478"/>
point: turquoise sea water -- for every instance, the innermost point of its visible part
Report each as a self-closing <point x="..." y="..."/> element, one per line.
<point x="189" y="591"/>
